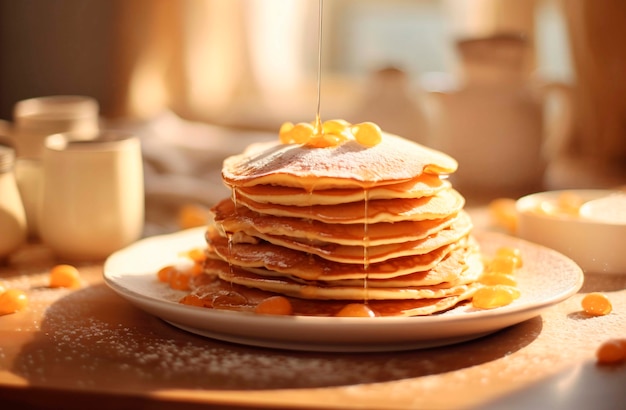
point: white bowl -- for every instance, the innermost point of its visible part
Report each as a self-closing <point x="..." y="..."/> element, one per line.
<point x="594" y="237"/>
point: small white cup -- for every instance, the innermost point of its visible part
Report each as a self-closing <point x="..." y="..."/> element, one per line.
<point x="92" y="200"/>
<point x="36" y="118"/>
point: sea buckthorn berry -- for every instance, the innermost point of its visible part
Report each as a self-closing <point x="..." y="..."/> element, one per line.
<point x="490" y="297"/>
<point x="286" y="127"/>
<point x="611" y="351"/>
<point x="197" y="255"/>
<point x="299" y="134"/>
<point x="326" y="140"/>
<point x="596" y="304"/>
<point x="164" y="273"/>
<point x="514" y="253"/>
<point x="274" y="305"/>
<point x="502" y="264"/>
<point x="496" y="278"/>
<point x="196" y="269"/>
<point x="356" y="310"/>
<point x="12" y="300"/>
<point x="2" y="287"/>
<point x="367" y="134"/>
<point x="192" y="215"/>
<point x="65" y="276"/>
<point x="179" y="280"/>
<point x="503" y="212"/>
<point x="338" y="127"/>
<point x="283" y="134"/>
<point x="569" y="203"/>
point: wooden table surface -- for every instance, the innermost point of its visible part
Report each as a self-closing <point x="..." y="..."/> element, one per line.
<point x="89" y="348"/>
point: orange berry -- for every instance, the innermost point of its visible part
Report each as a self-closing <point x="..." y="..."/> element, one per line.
<point x="514" y="253"/>
<point x="495" y="278"/>
<point x="197" y="255"/>
<point x="325" y="140"/>
<point x="298" y="134"/>
<point x="494" y="296"/>
<point x="274" y="305"/>
<point x="569" y="203"/>
<point x="192" y="216"/>
<point x="338" y="127"/>
<point x="164" y="273"/>
<point x="611" y="351"/>
<point x="12" y="300"/>
<point x="284" y="131"/>
<point x="502" y="264"/>
<point x="596" y="304"/>
<point x="179" y="280"/>
<point x="503" y="212"/>
<point x="367" y="134"/>
<point x="356" y="310"/>
<point x="196" y="269"/>
<point x="65" y="276"/>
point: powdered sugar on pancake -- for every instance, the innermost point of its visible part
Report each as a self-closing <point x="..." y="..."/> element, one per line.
<point x="348" y="165"/>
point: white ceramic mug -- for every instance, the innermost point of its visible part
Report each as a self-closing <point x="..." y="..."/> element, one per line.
<point x="92" y="194"/>
<point x="36" y="118"/>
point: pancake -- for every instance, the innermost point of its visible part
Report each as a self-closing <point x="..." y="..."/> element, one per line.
<point x="325" y="291"/>
<point x="423" y="186"/>
<point x="367" y="254"/>
<point x="286" y="261"/>
<point x="246" y="220"/>
<point x="348" y="165"/>
<point x="213" y="293"/>
<point x="453" y="270"/>
<point x="438" y="206"/>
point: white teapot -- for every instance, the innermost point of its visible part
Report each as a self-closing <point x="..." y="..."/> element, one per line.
<point x="494" y="123"/>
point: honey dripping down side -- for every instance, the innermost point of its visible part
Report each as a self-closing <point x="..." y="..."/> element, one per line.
<point x="366" y="239"/>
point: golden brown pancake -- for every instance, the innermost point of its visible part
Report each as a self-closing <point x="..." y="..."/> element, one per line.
<point x="211" y="292"/>
<point x="310" y="267"/>
<point x="248" y="221"/>
<point x="328" y="291"/>
<point x="422" y="186"/>
<point x="349" y="165"/>
<point x="370" y="254"/>
<point x="453" y="270"/>
<point x="441" y="205"/>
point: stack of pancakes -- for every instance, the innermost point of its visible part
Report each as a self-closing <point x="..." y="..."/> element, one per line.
<point x="327" y="227"/>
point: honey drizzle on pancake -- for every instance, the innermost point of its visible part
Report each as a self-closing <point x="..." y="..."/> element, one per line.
<point x="310" y="221"/>
<point x="233" y="194"/>
<point x="366" y="240"/>
<point x="318" y="121"/>
<point x="229" y="235"/>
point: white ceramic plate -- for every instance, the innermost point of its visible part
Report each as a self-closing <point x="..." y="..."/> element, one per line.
<point x="547" y="278"/>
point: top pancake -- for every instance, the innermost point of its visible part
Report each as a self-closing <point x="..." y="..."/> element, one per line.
<point x="422" y="186"/>
<point x="349" y="165"/>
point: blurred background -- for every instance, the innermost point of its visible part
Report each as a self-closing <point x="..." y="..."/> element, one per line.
<point x="526" y="94"/>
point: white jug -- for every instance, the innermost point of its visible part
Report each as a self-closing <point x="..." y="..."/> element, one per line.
<point x="494" y="123"/>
